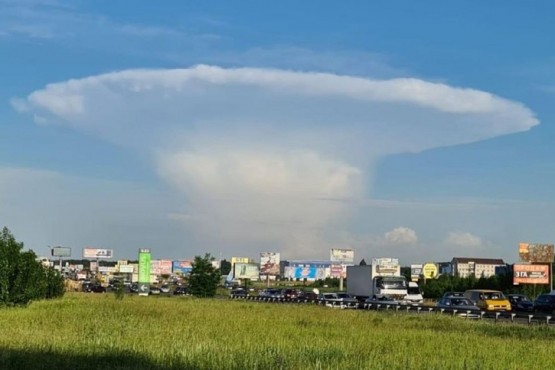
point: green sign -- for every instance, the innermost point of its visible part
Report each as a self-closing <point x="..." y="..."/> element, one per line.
<point x="144" y="271"/>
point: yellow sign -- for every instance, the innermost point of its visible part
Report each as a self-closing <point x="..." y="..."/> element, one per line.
<point x="429" y="270"/>
<point x="235" y="260"/>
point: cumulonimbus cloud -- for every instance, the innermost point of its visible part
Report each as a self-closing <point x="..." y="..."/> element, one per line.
<point x="261" y="153"/>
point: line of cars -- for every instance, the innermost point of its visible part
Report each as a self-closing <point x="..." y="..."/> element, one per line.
<point x="469" y="303"/>
<point x="495" y="301"/>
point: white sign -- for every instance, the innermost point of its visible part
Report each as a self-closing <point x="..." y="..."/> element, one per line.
<point x="97" y="253"/>
<point x="342" y="255"/>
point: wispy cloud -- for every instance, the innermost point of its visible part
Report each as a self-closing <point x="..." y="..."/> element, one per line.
<point x="257" y="153"/>
<point x="61" y="20"/>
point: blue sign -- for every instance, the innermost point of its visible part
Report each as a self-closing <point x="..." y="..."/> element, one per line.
<point x="306" y="272"/>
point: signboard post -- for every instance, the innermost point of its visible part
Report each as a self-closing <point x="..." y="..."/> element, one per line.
<point x="342" y="256"/>
<point x="269" y="265"/>
<point x="60" y="252"/>
<point x="538" y="253"/>
<point x="144" y="272"/>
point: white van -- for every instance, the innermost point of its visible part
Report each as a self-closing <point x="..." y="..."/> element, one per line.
<point x="414" y="294"/>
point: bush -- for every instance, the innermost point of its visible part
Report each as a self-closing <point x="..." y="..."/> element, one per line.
<point x="22" y="277"/>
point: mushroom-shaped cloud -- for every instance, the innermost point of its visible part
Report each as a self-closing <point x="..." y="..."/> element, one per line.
<point x="260" y="152"/>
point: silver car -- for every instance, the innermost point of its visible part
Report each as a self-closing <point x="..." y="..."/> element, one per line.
<point x="460" y="306"/>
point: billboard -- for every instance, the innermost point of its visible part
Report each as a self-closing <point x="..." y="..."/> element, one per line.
<point x="342" y="255"/>
<point x="430" y="271"/>
<point x="144" y="271"/>
<point x="386" y="265"/>
<point x="235" y="260"/>
<point x="246" y="271"/>
<point x="309" y="271"/>
<point x="161" y="267"/>
<point x="61" y="252"/>
<point x="269" y="263"/>
<point x="97" y="253"/>
<point x="530" y="274"/>
<point x="338" y="271"/>
<point x="182" y="267"/>
<point x="126" y="269"/>
<point x="529" y="252"/>
<point x="415" y="272"/>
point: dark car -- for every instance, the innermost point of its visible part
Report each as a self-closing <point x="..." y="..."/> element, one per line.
<point x="290" y="293"/>
<point x="271" y="293"/>
<point x="308" y="296"/>
<point x="453" y="294"/>
<point x="181" y="290"/>
<point x="86" y="287"/>
<point x="461" y="304"/>
<point x="520" y="303"/>
<point x="97" y="288"/>
<point x="545" y="303"/>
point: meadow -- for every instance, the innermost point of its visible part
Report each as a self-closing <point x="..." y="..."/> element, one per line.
<point x="96" y="331"/>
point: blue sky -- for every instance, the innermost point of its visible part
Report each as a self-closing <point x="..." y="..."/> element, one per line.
<point x="416" y="130"/>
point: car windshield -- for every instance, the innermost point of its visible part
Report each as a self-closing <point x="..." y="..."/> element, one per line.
<point x="493" y="295"/>
<point x="343" y="295"/>
<point x="391" y="283"/>
<point x="413" y="290"/>
<point x="520" y="298"/>
<point x="460" y="302"/>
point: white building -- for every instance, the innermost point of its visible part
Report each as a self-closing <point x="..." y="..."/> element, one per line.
<point x="464" y="267"/>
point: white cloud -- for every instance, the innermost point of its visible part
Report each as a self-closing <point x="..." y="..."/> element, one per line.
<point x="259" y="153"/>
<point x="401" y="235"/>
<point x="463" y="239"/>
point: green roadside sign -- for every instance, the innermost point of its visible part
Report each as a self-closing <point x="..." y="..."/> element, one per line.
<point x="144" y="271"/>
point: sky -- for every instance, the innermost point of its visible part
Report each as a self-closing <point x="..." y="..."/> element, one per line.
<point x="417" y="130"/>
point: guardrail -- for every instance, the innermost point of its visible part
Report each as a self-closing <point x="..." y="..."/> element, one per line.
<point x="536" y="318"/>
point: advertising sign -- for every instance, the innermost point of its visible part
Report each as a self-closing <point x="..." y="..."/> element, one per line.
<point x="182" y="267"/>
<point x="338" y="271"/>
<point x="342" y="255"/>
<point x="61" y="252"/>
<point x="144" y="271"/>
<point x="161" y="267"/>
<point x="306" y="272"/>
<point x="126" y="269"/>
<point x="235" y="260"/>
<point x="269" y="263"/>
<point x="386" y="265"/>
<point x="529" y="252"/>
<point x="97" y="253"/>
<point x="530" y="274"/>
<point x="246" y="271"/>
<point x="430" y="271"/>
<point x="415" y="272"/>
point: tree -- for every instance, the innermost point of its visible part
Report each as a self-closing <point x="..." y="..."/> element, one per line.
<point x="22" y="277"/>
<point x="204" y="277"/>
<point x="225" y="267"/>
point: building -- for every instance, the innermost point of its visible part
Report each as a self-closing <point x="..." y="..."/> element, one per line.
<point x="486" y="267"/>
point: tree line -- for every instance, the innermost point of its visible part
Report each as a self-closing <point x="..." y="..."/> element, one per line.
<point x="22" y="277"/>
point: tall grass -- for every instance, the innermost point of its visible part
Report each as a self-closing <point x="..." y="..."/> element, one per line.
<point x="84" y="331"/>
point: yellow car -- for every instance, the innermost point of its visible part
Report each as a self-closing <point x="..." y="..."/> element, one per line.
<point x="488" y="300"/>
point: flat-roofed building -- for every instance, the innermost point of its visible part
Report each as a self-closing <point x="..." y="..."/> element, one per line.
<point x="486" y="267"/>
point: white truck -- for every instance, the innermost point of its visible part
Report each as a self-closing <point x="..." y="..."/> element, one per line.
<point x="381" y="280"/>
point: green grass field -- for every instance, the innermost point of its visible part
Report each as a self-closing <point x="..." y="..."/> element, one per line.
<point x="90" y="331"/>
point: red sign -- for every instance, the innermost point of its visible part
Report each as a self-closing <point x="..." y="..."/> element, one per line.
<point x="530" y="274"/>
